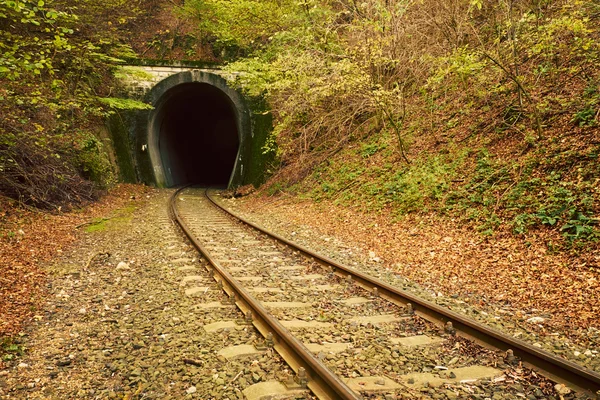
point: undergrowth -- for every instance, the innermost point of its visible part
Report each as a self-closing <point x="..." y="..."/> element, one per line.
<point x="56" y="90"/>
<point x="548" y="189"/>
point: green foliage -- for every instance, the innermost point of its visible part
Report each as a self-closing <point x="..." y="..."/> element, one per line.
<point x="124" y="104"/>
<point x="55" y="78"/>
<point x="416" y="187"/>
<point x="242" y="25"/>
<point x="579" y="226"/>
<point x="505" y="191"/>
<point x="586" y="117"/>
<point x="275" y="189"/>
<point x="369" y="149"/>
<point x="419" y="186"/>
<point x="570" y="33"/>
<point x="463" y="64"/>
<point x="32" y="53"/>
<point x="325" y="89"/>
<point x="399" y="80"/>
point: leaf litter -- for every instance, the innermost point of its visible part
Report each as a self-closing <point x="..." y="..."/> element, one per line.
<point x="30" y="238"/>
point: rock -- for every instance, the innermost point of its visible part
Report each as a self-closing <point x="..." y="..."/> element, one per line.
<point x="63" y="362"/>
<point x="191" y="390"/>
<point x="138" y="345"/>
<point x="519" y="388"/>
<point x="122" y="265"/>
<point x="536" y="320"/>
<point x="562" y="389"/>
<point x="451" y="395"/>
<point x="23" y="365"/>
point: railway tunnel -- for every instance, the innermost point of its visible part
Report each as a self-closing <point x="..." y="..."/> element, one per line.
<point x="198" y="132"/>
<point x="198" y="138"/>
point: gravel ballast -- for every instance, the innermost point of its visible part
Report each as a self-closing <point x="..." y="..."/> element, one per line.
<point x="117" y="323"/>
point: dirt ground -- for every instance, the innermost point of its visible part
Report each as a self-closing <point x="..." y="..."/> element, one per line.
<point x="30" y="238"/>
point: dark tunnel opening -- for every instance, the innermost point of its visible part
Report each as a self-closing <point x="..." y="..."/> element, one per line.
<point x="198" y="138"/>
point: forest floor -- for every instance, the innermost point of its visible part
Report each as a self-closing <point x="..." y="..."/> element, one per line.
<point x="60" y="274"/>
<point x="30" y="239"/>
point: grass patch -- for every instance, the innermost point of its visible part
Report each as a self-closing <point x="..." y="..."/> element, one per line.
<point x="368" y="178"/>
<point x="120" y="217"/>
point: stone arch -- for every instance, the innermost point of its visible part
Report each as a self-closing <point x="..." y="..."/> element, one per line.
<point x="166" y="171"/>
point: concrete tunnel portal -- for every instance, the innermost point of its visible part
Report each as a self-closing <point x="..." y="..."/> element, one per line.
<point x="197" y="132"/>
<point x="198" y="138"/>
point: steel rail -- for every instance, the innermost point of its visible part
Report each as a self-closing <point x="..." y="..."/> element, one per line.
<point x="549" y="365"/>
<point x="321" y="381"/>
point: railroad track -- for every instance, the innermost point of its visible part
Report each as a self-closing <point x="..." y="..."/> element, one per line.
<point x="347" y="335"/>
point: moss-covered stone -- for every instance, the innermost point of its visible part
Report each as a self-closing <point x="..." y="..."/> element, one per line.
<point x="118" y="126"/>
<point x="262" y="125"/>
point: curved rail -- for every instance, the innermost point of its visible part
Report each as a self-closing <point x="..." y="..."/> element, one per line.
<point x="547" y="364"/>
<point x="321" y="381"/>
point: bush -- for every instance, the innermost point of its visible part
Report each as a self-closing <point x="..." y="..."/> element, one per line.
<point x="38" y="176"/>
<point x="92" y="161"/>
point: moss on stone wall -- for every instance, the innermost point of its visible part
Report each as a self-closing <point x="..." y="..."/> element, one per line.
<point x="118" y="125"/>
<point x="262" y="125"/>
<point x="146" y="62"/>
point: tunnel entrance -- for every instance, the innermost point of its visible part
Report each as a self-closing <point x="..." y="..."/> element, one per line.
<point x="198" y="138"/>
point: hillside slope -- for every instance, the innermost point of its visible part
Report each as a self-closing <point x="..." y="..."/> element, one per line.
<point x="483" y="112"/>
